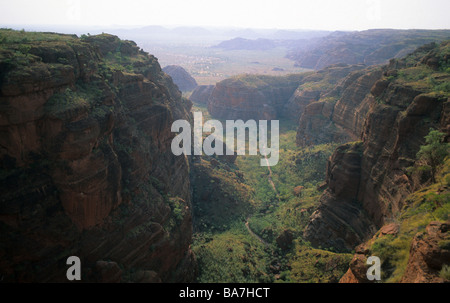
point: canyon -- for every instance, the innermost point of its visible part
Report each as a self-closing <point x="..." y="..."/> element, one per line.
<point x="87" y="168"/>
<point x="381" y="115"/>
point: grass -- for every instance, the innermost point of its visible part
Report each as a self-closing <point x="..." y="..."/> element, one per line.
<point x="66" y="101"/>
<point x="232" y="257"/>
<point x="10" y="36"/>
<point x="310" y="265"/>
<point x="221" y="199"/>
<point x="276" y="211"/>
<point x="431" y="203"/>
<point x="262" y="81"/>
<point x="222" y="252"/>
<point x="422" y="77"/>
<point x="445" y="272"/>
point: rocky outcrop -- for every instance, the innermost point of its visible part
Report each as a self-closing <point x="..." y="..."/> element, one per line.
<point x="181" y="77"/>
<point x="392" y="121"/>
<point x="340" y="222"/>
<point x="429" y="251"/>
<point x="201" y="94"/>
<point x="339" y="115"/>
<point x="315" y="86"/>
<point x="357" y="272"/>
<point x="86" y="166"/>
<point x="252" y="97"/>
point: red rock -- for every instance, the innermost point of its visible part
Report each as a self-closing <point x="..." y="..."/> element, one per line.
<point x="88" y="179"/>
<point x="252" y="97"/>
<point x="427" y="256"/>
<point x="202" y="93"/>
<point x="389" y="229"/>
<point x="298" y="190"/>
<point x="181" y="77"/>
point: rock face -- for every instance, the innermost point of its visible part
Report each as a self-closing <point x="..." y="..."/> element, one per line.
<point x="201" y="94"/>
<point x="427" y="254"/>
<point x="357" y="268"/>
<point x="181" y="77"/>
<point x="429" y="251"/>
<point x="370" y="47"/>
<point x="317" y="85"/>
<point x="339" y="114"/>
<point x="252" y="97"/>
<point x="86" y="166"/>
<point x="391" y="118"/>
<point x="340" y="221"/>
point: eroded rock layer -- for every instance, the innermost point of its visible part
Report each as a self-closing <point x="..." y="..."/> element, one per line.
<point x="389" y="111"/>
<point x="86" y="166"/>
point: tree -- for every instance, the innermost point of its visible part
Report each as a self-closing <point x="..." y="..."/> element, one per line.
<point x="434" y="151"/>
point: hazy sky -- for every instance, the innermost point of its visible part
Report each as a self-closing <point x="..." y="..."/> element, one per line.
<point x="293" y="14"/>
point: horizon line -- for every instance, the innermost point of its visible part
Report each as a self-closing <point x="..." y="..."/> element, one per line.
<point x="215" y="27"/>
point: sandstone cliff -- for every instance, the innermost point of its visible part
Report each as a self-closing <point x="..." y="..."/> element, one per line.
<point x="181" y="77"/>
<point x="369" y="47"/>
<point x="315" y="86"/>
<point x="390" y="110"/>
<point x="201" y="94"/>
<point x="252" y="96"/>
<point x="340" y="112"/>
<point x="85" y="162"/>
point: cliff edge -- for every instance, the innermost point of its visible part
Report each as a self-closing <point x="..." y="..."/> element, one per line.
<point x="85" y="162"/>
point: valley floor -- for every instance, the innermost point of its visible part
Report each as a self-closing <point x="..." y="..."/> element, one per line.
<point x="264" y="243"/>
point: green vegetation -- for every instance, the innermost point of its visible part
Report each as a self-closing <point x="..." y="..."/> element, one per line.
<point x="394" y="251"/>
<point x="84" y="97"/>
<point x="16" y="46"/>
<point x="67" y="100"/>
<point x="445" y="272"/>
<point x="232" y="256"/>
<point x="310" y="265"/>
<point x="285" y="196"/>
<point x="422" y="77"/>
<point x="227" y="251"/>
<point x="262" y="81"/>
<point x="304" y="168"/>
<point x="431" y="203"/>
<point x="9" y="36"/>
<point x="434" y="152"/>
<point x="248" y="219"/>
<point x="221" y="199"/>
<point x="431" y="74"/>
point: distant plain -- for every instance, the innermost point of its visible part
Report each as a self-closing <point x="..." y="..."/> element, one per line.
<point x="210" y="65"/>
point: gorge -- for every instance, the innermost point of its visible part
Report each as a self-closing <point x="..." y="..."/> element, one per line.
<point x="87" y="169"/>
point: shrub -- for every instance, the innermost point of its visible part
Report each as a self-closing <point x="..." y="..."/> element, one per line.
<point x="434" y="152"/>
<point x="445" y="272"/>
